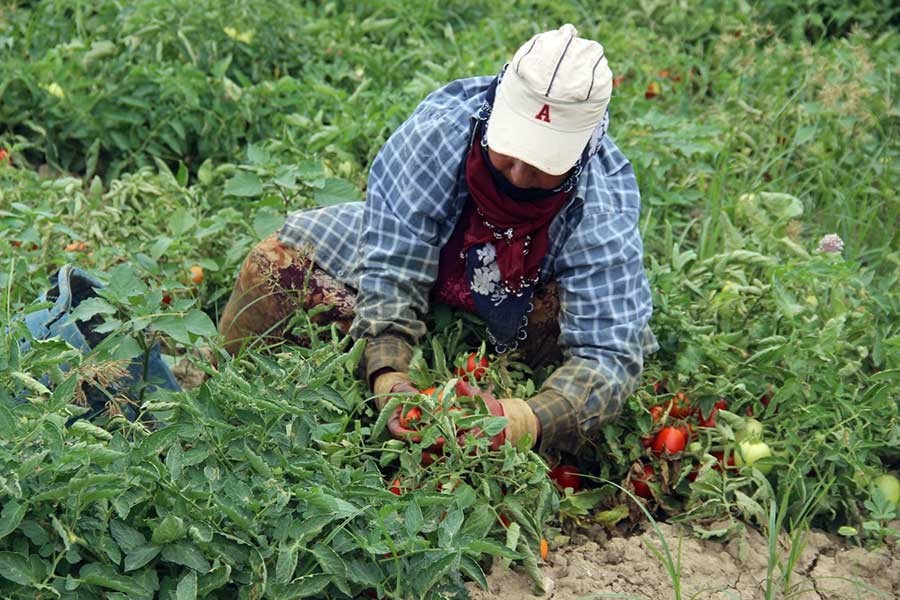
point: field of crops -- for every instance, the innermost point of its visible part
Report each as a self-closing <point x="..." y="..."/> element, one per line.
<point x="152" y="144"/>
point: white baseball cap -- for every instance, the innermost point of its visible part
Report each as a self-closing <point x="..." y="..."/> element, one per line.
<point x="552" y="96"/>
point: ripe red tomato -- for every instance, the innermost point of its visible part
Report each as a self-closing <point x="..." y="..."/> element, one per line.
<point x="504" y="520"/>
<point x="566" y="476"/>
<point x="656" y="413"/>
<point x="395" y="487"/>
<point x="710" y="421"/>
<point x="641" y="489"/>
<point x="669" y="440"/>
<point x="659" y="387"/>
<point x="680" y="406"/>
<point x="411" y="416"/>
<point x="475" y="366"/>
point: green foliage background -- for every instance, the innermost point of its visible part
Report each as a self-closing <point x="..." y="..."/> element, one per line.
<point x="166" y="134"/>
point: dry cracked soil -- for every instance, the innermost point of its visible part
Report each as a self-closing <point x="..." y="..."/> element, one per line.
<point x="594" y="566"/>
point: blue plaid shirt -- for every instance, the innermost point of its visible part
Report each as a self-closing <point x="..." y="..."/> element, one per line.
<point x="388" y="249"/>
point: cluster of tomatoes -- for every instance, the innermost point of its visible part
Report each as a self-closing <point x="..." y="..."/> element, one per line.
<point x="474" y="370"/>
<point x="670" y="441"/>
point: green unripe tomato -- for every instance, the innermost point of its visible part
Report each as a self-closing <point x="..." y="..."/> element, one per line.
<point x="749" y="452"/>
<point x="752" y="431"/>
<point x="889" y="486"/>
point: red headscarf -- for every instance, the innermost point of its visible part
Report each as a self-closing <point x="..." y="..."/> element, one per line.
<point x="523" y="226"/>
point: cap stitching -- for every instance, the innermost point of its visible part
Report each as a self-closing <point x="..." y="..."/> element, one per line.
<point x="559" y="62"/>
<point x="593" y="71"/>
<point x="530" y="48"/>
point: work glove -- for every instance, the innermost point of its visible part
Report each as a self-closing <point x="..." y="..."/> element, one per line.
<point x="521" y="421"/>
<point x="391" y="382"/>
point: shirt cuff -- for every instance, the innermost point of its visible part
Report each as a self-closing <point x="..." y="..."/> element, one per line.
<point x="387" y="352"/>
<point x="559" y="424"/>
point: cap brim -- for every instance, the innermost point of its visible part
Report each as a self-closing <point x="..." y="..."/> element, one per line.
<point x="532" y="141"/>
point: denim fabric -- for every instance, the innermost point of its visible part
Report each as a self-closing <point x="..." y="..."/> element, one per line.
<point x="70" y="286"/>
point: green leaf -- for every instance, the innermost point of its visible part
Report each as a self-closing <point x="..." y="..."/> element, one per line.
<point x="414" y="519"/>
<point x="106" y="576"/>
<point x="180" y="223"/>
<point x="14" y="567"/>
<point x="266" y="221"/>
<point x="187" y="587"/>
<point x="180" y="327"/>
<point x="492" y="548"/>
<point x="199" y="323"/>
<point x="124" y="285"/>
<point x="126" y="537"/>
<point x="479" y="522"/>
<point x="303" y="587"/>
<point x="329" y="560"/>
<point x="140" y="556"/>
<point x="470" y="567"/>
<point x="491" y="426"/>
<point x="159" y="440"/>
<point x="215" y="579"/>
<point x="186" y="554"/>
<point x="171" y="528"/>
<point x="175" y="460"/>
<point x="612" y="516"/>
<point x="434" y="570"/>
<point x="450" y="527"/>
<point x="243" y="184"/>
<point x="336" y="191"/>
<point x="286" y="563"/>
<point x="91" y="307"/>
<point x="12" y="515"/>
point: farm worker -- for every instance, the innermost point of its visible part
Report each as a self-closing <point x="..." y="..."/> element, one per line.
<point x="503" y="196"/>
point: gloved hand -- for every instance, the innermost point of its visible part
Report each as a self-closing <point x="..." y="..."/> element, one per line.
<point x="391" y="382"/>
<point x="521" y="420"/>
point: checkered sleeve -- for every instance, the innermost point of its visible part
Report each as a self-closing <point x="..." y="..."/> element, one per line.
<point x="411" y="184"/>
<point x="605" y="306"/>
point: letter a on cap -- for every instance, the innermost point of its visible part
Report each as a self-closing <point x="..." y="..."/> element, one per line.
<point x="543" y="114"/>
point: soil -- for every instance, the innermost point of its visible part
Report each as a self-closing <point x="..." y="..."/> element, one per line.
<point x="594" y="566"/>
